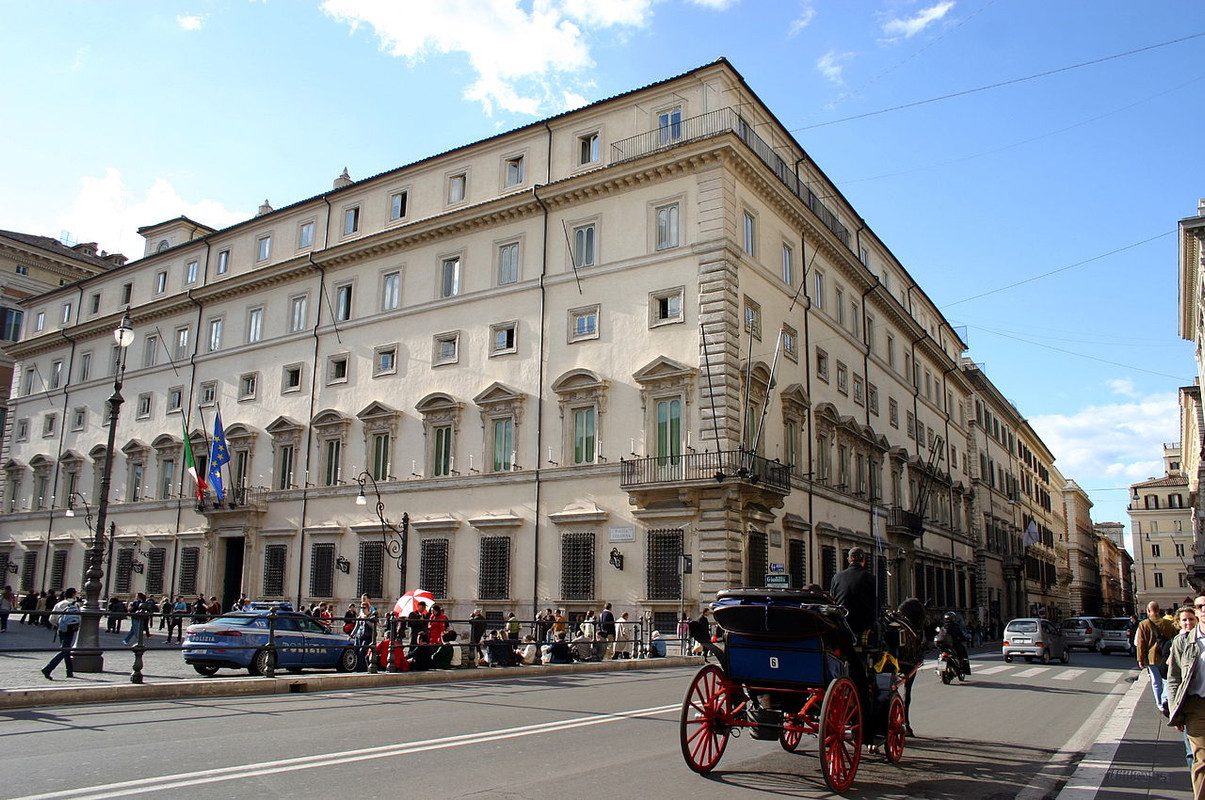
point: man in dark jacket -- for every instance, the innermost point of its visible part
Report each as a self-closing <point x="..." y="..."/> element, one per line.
<point x="854" y="587"/>
<point x="700" y="631"/>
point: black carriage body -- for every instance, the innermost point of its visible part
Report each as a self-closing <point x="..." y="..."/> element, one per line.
<point x="779" y="638"/>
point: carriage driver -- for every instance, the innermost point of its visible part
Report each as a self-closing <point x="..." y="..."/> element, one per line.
<point x="854" y="587"/>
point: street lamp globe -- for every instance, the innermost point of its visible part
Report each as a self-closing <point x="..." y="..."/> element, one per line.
<point x="124" y="333"/>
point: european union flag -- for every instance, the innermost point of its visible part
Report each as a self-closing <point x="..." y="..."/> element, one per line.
<point x="218" y="455"/>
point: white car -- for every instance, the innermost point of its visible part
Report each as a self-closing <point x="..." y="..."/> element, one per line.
<point x="1033" y="638"/>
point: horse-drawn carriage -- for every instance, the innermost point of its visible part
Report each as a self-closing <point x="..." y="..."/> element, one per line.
<point x="790" y="666"/>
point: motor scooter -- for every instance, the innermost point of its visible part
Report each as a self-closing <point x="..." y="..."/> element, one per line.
<point x="949" y="666"/>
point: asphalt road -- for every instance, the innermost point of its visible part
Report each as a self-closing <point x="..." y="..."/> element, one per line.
<point x="1012" y="731"/>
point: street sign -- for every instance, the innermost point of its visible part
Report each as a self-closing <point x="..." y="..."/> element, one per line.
<point x="777" y="567"/>
<point x="779" y="580"/>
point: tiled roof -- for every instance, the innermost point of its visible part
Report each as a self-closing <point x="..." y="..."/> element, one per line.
<point x="1164" y="482"/>
<point x="56" y="249"/>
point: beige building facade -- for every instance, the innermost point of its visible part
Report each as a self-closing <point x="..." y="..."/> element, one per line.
<point x="1161" y="521"/>
<point x="636" y="353"/>
<point x="1191" y="324"/>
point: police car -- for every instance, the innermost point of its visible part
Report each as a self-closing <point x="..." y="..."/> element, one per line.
<point x="240" y="640"/>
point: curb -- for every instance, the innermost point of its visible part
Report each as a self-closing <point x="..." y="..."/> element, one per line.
<point x="294" y="684"/>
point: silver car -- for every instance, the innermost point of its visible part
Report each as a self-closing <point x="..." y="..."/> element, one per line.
<point x="1115" y="635"/>
<point x="1085" y="632"/>
<point x="1032" y="638"/>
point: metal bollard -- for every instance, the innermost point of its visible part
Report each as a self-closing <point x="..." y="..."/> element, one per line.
<point x="139" y="649"/>
<point x="269" y="670"/>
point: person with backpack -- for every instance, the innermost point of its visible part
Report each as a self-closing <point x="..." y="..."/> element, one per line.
<point x="1153" y="643"/>
<point x="140" y="613"/>
<point x="65" y="619"/>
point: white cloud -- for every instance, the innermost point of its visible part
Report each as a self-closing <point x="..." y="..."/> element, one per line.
<point x="553" y="40"/>
<point x="1111" y="446"/>
<point x="190" y="22"/>
<point x="715" y="5"/>
<point x="1122" y="386"/>
<point x="806" y="14"/>
<point x="831" y="67"/>
<point x="109" y="213"/>
<point x="913" y="25"/>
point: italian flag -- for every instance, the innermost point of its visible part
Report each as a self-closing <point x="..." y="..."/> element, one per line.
<point x="191" y="465"/>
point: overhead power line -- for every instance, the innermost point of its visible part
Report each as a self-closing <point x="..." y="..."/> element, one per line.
<point x="1035" y="76"/>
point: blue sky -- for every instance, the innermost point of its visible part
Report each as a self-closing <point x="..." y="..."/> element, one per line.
<point x="1039" y="215"/>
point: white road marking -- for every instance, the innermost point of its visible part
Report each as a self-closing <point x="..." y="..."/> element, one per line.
<point x="144" y="785"/>
<point x="1109" y="677"/>
<point x="1029" y="673"/>
<point x="1069" y="674"/>
<point x="1095" y="765"/>
<point x="993" y="670"/>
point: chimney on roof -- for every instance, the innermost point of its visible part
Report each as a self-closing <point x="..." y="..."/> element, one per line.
<point x="1201" y="207"/>
<point x="116" y="259"/>
<point x="85" y="248"/>
<point x="343" y="180"/>
<point x="266" y="208"/>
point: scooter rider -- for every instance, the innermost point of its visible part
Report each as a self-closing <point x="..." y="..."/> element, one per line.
<point x="955" y="636"/>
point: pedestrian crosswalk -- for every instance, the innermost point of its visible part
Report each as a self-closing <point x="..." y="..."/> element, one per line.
<point x="1054" y="672"/>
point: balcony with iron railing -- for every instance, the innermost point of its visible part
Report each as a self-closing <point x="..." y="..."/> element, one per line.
<point x="707" y="468"/>
<point x="717" y="123"/>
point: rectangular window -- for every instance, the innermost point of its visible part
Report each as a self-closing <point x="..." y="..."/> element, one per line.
<point x="457" y="188"/>
<point x="156" y="564"/>
<point x="255" y="325"/>
<point x="150" y="350"/>
<point x="433" y="566"/>
<point x="508" y="263"/>
<point x="748" y="240"/>
<point x="669" y="126"/>
<point x="284" y="467"/>
<point x="441" y="465"/>
<point x="223" y="262"/>
<point x="181" y="343"/>
<point x="275" y="557"/>
<point x="447" y="348"/>
<point x="56" y="373"/>
<point x="298" y="310"/>
<point x="583" y="324"/>
<point x="583" y="246"/>
<point x="821" y="365"/>
<point x="514" y="171"/>
<point x="351" y="220"/>
<point x="504" y="445"/>
<point x="577" y="566"/>
<point x="588" y="148"/>
<point x="667" y="227"/>
<point x="78" y="418"/>
<point x="305" y="235"/>
<point x="144" y="406"/>
<point x="343" y="302"/>
<point x="208" y="394"/>
<point x="190" y="560"/>
<point x="584" y="423"/>
<point x="669" y="431"/>
<point x="493" y="581"/>
<point x="753" y="318"/>
<point x="190" y="273"/>
<point x="167" y="478"/>
<point x="94" y="303"/>
<point x="332" y="462"/>
<point x="397" y="205"/>
<point x="263" y="248"/>
<point x="248" y="385"/>
<point x="384" y="360"/>
<point x="449" y="277"/>
<point x="290" y="380"/>
<point x="391" y="291"/>
<point x="50" y="424"/>
<point x="10" y="324"/>
<point x="322" y="570"/>
<point x="790" y="343"/>
<point x="503" y="338"/>
<point x="161" y="282"/>
<point x="215" y="334"/>
<point x="665" y="307"/>
<point x="39" y="322"/>
<point x="788" y="265"/>
<point x="381" y="451"/>
<point x="85" y="366"/>
<point x="337" y="368"/>
<point x="67" y="308"/>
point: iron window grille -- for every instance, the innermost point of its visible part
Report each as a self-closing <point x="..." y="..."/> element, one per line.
<point x="29" y="571"/>
<point x="371" y="576"/>
<point x="274" y="569"/>
<point x="190" y="558"/>
<point x="577" y="566"/>
<point x="156" y="561"/>
<point x="797" y="562"/>
<point x="493" y="581"/>
<point x="58" y="570"/>
<point x="433" y="567"/>
<point x="322" y="570"/>
<point x="121" y="577"/>
<point x="756" y="558"/>
<point x="828" y="561"/>
<point x="663" y="563"/>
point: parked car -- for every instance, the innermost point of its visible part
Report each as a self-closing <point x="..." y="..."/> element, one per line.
<point x="1032" y="638"/>
<point x="239" y="641"/>
<point x="1085" y="632"/>
<point x="1115" y="635"/>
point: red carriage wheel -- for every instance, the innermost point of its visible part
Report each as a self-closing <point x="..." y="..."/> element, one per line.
<point x="897" y="728"/>
<point x="840" y="734"/>
<point x="706" y="719"/>
<point x="792" y="733"/>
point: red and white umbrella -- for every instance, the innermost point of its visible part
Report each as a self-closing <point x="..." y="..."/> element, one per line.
<point x="410" y="600"/>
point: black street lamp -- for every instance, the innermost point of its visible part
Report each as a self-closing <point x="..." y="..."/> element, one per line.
<point x="396" y="540"/>
<point x="89" y="657"/>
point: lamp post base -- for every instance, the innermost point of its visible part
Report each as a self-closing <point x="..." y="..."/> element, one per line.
<point x="88" y="660"/>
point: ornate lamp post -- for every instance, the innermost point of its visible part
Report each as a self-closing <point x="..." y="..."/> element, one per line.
<point x="89" y="657"/>
<point x="395" y="539"/>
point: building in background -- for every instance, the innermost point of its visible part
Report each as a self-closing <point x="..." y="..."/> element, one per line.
<point x="1161" y="520"/>
<point x="1191" y="324"/>
<point x="1085" y="588"/>
<point x="1116" y="570"/>
<point x="638" y="352"/>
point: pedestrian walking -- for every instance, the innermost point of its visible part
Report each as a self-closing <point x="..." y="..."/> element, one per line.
<point x="65" y="618"/>
<point x="7" y="605"/>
